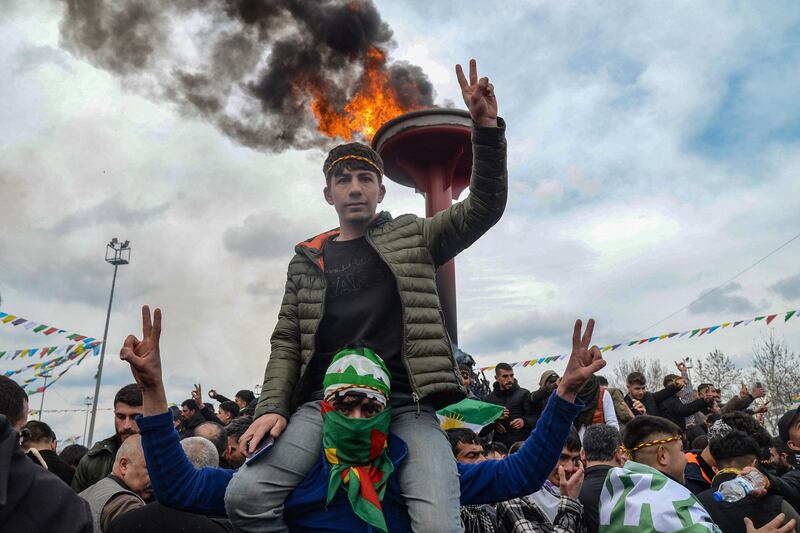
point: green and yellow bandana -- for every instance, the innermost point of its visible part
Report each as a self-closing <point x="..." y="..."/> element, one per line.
<point x="357" y="370"/>
<point x="356" y="448"/>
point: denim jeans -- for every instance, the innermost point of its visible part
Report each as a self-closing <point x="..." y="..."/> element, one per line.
<point x="428" y="476"/>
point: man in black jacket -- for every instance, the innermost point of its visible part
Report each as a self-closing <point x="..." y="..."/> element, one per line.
<point x="732" y="452"/>
<point x="788" y="485"/>
<point x="517" y="421"/>
<point x="190" y="418"/>
<point x="42" y="439"/>
<point x="600" y="453"/>
<point x="673" y="408"/>
<point x="640" y="400"/>
<point x="33" y="499"/>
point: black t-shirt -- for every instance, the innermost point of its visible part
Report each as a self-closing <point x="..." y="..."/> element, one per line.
<point x="361" y="304"/>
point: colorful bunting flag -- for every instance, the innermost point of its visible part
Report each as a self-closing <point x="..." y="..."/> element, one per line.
<point x="37" y="327"/>
<point x="690" y="332"/>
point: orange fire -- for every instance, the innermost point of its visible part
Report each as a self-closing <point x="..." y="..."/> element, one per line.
<point x="374" y="103"/>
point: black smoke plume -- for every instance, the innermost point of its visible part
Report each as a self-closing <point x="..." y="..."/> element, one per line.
<point x="239" y="63"/>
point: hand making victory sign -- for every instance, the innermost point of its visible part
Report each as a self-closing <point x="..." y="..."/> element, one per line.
<point x="583" y="362"/>
<point x="144" y="357"/>
<point x="478" y="95"/>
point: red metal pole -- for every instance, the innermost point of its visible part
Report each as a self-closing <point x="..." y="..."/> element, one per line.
<point x="438" y="198"/>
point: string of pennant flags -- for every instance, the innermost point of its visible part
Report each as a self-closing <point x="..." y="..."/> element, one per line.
<point x="50" y="383"/>
<point x="48" y="350"/>
<point x="689" y="333"/>
<point x="34" y="412"/>
<point x="37" y="327"/>
<point x="69" y="353"/>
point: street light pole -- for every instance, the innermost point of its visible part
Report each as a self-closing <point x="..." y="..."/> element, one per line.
<point x="88" y="403"/>
<point x="44" y="389"/>
<point x="116" y="254"/>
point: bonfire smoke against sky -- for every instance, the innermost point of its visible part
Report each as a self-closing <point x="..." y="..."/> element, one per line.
<point x="253" y="68"/>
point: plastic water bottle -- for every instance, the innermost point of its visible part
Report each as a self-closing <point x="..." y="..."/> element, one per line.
<point x="737" y="488"/>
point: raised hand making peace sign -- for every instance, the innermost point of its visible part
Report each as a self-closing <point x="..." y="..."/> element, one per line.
<point x="583" y="362"/>
<point x="478" y="95"/>
<point x="144" y="357"/>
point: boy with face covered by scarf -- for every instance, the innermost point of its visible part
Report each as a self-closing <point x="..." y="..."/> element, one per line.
<point x="355" y="431"/>
<point x="351" y="488"/>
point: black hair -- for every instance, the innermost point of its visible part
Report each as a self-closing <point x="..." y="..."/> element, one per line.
<point x="458" y="436"/>
<point x="12" y="400"/>
<point x="39" y="432"/>
<point x="713" y="417"/>
<point x="231" y="407"/>
<point x="246" y="395"/>
<point x="352" y="149"/>
<point x="700" y="442"/>
<point x="704" y="386"/>
<point x="73" y="454"/>
<point x="602" y="381"/>
<point x="636" y="378"/>
<point x="601" y="442"/>
<point x="218" y="436"/>
<point x="573" y="442"/>
<point x="732" y="445"/>
<point x="176" y="412"/>
<point x="746" y="423"/>
<point x="190" y="404"/>
<point x="238" y="426"/>
<point x="669" y="378"/>
<point x="644" y="428"/>
<point x="464" y="368"/>
<point x="502" y="366"/>
<point x="782" y="447"/>
<point x="498" y="447"/>
<point x="129" y="395"/>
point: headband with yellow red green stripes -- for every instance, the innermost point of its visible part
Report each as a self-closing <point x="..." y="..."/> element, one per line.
<point x="649" y="443"/>
<point x="356" y="157"/>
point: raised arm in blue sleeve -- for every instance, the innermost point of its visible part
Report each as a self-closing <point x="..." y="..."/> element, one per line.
<point x="177" y="482"/>
<point x="524" y="472"/>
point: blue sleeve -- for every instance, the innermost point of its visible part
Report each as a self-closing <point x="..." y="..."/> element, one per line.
<point x="176" y="482"/>
<point x="524" y="472"/>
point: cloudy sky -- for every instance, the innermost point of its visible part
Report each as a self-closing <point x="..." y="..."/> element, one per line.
<point x="653" y="154"/>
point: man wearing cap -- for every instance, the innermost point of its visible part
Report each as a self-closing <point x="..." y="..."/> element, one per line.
<point x="373" y="278"/>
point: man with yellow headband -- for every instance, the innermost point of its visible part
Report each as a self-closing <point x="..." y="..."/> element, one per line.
<point x="647" y="492"/>
<point x="373" y="279"/>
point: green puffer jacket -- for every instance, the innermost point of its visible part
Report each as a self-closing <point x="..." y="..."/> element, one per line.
<point x="413" y="248"/>
<point x="96" y="464"/>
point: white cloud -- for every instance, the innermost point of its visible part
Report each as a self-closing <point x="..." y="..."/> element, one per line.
<point x="614" y="210"/>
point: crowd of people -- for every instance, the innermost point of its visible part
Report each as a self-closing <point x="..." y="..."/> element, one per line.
<point x="344" y="435"/>
<point x="568" y="466"/>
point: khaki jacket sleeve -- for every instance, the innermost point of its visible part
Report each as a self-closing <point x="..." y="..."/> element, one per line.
<point x="283" y="367"/>
<point x="450" y="231"/>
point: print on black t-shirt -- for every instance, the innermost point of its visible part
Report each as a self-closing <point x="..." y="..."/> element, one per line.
<point x="361" y="304"/>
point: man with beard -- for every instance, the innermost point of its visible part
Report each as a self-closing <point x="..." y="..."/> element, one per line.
<point x="782" y="457"/>
<point x="98" y="462"/>
<point x="517" y="421"/>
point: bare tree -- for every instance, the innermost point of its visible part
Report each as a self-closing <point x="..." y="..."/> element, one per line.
<point x="653" y="370"/>
<point x="718" y="369"/>
<point x="778" y="370"/>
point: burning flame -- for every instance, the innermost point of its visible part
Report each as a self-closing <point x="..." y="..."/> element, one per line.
<point x="374" y="103"/>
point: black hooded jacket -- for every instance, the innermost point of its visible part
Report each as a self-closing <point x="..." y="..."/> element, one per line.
<point x="33" y="499"/>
